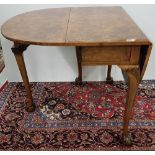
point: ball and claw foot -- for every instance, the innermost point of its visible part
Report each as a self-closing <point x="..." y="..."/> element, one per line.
<point x="31" y="108"/>
<point x="127" y="140"/>
<point x="80" y="82"/>
<point x="109" y="80"/>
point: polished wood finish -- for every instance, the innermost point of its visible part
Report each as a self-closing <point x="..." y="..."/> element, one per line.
<point x="41" y="27"/>
<point x="110" y="55"/>
<point x="135" y="54"/>
<point x="101" y="35"/>
<point x="109" y="79"/>
<point x="18" y="50"/>
<point x="92" y="26"/>
<point x="145" y="52"/>
<point x="103" y="26"/>
<point x="133" y="74"/>
<point x="78" y="80"/>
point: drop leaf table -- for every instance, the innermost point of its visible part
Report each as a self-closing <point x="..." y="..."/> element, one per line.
<point x="100" y="35"/>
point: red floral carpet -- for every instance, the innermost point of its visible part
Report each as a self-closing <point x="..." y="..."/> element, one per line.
<point x="70" y="117"/>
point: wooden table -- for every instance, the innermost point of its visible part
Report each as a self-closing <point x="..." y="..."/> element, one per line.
<point x="101" y="35"/>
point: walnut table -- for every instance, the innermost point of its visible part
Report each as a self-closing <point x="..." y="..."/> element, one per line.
<point x="101" y="36"/>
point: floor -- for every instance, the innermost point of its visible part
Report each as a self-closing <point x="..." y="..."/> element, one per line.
<point x="70" y="117"/>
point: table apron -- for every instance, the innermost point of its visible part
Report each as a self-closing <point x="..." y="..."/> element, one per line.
<point x="112" y="55"/>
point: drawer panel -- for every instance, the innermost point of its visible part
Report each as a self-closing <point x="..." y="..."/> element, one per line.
<point x="109" y="55"/>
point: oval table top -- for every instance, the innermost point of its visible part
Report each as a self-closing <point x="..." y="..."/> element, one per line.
<point x="85" y="26"/>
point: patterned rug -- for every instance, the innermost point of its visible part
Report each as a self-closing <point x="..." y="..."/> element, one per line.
<point x="70" y="117"/>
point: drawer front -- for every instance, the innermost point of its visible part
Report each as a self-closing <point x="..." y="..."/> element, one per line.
<point x="110" y="55"/>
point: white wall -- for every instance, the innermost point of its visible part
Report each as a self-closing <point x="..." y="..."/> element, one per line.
<point x="59" y="63"/>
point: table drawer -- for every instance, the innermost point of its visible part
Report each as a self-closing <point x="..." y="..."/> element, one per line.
<point x="110" y="55"/>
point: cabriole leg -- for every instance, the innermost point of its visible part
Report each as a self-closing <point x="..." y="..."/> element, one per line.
<point x="109" y="79"/>
<point x="78" y="80"/>
<point x="133" y="74"/>
<point x="18" y="50"/>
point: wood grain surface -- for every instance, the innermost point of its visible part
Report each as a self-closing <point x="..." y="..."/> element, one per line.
<point x="102" y="35"/>
<point x="102" y="25"/>
<point x="41" y="27"/>
<point x="92" y="26"/>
